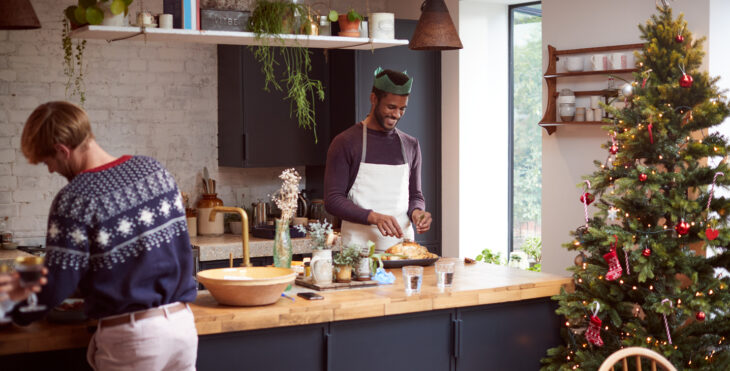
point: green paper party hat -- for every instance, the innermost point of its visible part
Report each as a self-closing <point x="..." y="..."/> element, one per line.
<point x="385" y="84"/>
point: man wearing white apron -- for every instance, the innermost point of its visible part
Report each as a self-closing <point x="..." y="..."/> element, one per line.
<point x="373" y="172"/>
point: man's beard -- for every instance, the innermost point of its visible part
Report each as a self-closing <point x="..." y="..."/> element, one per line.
<point x="380" y="119"/>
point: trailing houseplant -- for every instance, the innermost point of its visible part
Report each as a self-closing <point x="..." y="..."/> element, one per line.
<point x="269" y="20"/>
<point x="349" y="22"/>
<point x="75" y="16"/>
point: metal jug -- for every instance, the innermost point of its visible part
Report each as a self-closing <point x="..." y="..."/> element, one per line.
<point x="260" y="213"/>
<point x="302" y="208"/>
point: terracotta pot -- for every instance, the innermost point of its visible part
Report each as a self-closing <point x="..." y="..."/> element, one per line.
<point x="347" y="28"/>
<point x="344" y="274"/>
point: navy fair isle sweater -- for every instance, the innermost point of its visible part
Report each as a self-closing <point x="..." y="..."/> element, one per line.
<point x="118" y="234"/>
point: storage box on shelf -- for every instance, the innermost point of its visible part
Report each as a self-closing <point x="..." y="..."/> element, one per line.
<point x="549" y="120"/>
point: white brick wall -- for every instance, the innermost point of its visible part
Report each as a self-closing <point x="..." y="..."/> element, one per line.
<point x="153" y="99"/>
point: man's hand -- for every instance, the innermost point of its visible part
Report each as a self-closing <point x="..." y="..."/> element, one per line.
<point x="10" y="285"/>
<point x="422" y="220"/>
<point x="387" y="224"/>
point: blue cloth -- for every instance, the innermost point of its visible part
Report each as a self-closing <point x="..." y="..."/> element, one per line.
<point x="383" y="277"/>
<point x="118" y="234"/>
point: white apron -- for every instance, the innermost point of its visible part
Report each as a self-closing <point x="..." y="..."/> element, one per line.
<point x="383" y="189"/>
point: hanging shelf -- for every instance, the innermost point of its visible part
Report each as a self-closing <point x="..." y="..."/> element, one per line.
<point x="550" y="121"/>
<point x="111" y="33"/>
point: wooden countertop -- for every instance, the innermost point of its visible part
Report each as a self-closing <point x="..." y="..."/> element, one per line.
<point x="476" y="284"/>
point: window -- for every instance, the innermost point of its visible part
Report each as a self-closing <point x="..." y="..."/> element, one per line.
<point x="525" y="150"/>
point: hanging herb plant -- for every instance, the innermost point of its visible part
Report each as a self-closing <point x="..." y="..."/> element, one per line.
<point x="84" y="13"/>
<point x="73" y="63"/>
<point x="269" y="20"/>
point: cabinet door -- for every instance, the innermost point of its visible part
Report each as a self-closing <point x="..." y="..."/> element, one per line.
<point x="422" y="118"/>
<point x="256" y="127"/>
<point x="418" y="341"/>
<point x="509" y="336"/>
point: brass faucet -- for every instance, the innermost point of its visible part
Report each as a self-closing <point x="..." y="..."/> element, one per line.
<point x="244" y="234"/>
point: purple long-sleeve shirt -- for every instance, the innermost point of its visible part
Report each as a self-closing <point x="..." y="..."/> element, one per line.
<point x="343" y="163"/>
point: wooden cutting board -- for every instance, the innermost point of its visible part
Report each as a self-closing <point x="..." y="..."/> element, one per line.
<point x="307" y="282"/>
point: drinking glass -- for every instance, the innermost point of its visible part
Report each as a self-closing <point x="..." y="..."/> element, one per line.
<point x="444" y="273"/>
<point x="30" y="270"/>
<point x="412" y="278"/>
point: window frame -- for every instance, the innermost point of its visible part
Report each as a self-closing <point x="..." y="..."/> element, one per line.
<point x="511" y="123"/>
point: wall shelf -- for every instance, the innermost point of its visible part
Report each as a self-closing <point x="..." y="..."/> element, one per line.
<point x="110" y="33"/>
<point x="549" y="120"/>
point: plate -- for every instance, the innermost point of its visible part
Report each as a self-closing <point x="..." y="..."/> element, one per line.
<point x="404" y="262"/>
<point x="69" y="311"/>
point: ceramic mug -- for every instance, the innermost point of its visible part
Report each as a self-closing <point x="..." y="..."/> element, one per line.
<point x="595" y="99"/>
<point x="597" y="114"/>
<point x="618" y="61"/>
<point x="599" y="62"/>
<point x="321" y="264"/>
<point x="574" y="64"/>
<point x="382" y="25"/>
<point x="589" y="115"/>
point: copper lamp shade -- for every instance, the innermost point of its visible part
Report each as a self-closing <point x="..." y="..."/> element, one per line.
<point x="435" y="30"/>
<point x="17" y="15"/>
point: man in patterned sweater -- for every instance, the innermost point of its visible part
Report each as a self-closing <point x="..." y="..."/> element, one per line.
<point x="117" y="233"/>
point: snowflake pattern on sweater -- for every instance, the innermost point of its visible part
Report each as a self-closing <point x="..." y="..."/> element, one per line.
<point x="119" y="234"/>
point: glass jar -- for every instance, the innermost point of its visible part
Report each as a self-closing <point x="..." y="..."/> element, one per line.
<point x="325" y="26"/>
<point x="566" y="105"/>
<point x="204" y="206"/>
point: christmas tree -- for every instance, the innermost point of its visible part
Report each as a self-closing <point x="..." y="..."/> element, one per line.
<point x="642" y="275"/>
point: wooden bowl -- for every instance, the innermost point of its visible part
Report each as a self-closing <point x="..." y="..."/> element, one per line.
<point x="247" y="286"/>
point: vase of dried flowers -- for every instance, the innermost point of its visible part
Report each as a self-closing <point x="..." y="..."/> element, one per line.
<point x="286" y="200"/>
<point x="282" y="244"/>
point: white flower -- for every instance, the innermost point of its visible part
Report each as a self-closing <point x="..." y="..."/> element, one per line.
<point x="165" y="207"/>
<point x="146" y="217"/>
<point x="286" y="198"/>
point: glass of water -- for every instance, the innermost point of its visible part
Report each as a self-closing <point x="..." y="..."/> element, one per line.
<point x="444" y="273"/>
<point x="412" y="278"/>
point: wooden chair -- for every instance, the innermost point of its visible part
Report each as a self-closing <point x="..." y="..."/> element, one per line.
<point x="623" y="355"/>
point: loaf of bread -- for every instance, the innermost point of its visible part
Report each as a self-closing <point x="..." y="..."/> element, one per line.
<point x="411" y="250"/>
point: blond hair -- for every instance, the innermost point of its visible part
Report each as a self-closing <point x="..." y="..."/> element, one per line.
<point x="54" y="123"/>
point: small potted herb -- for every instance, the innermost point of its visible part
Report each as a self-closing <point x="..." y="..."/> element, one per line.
<point x="349" y="22"/>
<point x="344" y="261"/>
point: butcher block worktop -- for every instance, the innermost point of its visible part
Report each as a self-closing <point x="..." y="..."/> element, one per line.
<point x="475" y="284"/>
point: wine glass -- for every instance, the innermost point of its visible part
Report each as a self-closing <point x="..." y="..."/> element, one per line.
<point x="30" y="270"/>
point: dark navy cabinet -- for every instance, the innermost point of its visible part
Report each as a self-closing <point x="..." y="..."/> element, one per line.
<point x="255" y="127"/>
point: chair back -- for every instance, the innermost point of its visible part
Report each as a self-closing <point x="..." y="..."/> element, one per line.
<point x="622" y="357"/>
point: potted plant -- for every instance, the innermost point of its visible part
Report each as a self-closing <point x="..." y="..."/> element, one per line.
<point x="107" y="12"/>
<point x="270" y="19"/>
<point x="235" y="225"/>
<point x="349" y="23"/>
<point x="322" y="240"/>
<point x="344" y="261"/>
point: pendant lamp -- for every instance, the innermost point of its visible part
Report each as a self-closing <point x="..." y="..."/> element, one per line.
<point x="17" y="15"/>
<point x="435" y="30"/>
